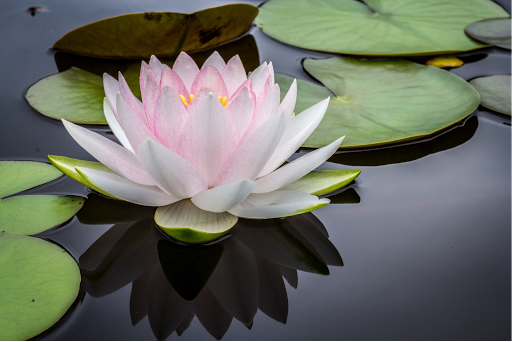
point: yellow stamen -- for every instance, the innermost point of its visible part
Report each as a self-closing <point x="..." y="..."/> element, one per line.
<point x="191" y="97"/>
<point x="222" y="100"/>
<point x="184" y="100"/>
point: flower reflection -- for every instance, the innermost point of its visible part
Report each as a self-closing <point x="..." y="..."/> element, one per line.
<point x="233" y="278"/>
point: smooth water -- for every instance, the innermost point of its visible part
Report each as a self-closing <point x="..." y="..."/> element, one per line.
<point x="424" y="232"/>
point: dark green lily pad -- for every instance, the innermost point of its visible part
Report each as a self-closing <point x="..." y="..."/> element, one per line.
<point x="494" y="91"/>
<point x="491" y="31"/>
<point x="39" y="281"/>
<point x="376" y="27"/>
<point x="380" y="102"/>
<point x="140" y="35"/>
<point x="32" y="214"/>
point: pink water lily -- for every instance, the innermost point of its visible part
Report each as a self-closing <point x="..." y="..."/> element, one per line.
<point x="211" y="135"/>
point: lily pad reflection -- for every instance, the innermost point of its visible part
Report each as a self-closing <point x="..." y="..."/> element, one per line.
<point x="232" y="278"/>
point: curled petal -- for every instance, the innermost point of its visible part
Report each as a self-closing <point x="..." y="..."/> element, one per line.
<point x="112" y="155"/>
<point x="171" y="172"/>
<point x="296" y="169"/>
<point x="277" y="204"/>
<point x="216" y="61"/>
<point x="234" y="74"/>
<point x="125" y="189"/>
<point x="186" y="68"/>
<point x="224" y="197"/>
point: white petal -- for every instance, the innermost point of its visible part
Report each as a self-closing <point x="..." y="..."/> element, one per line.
<point x="171" y="172"/>
<point x="215" y="60"/>
<point x="107" y="152"/>
<point x="114" y="125"/>
<point x="277" y="204"/>
<point x="289" y="100"/>
<point x="156" y="66"/>
<point x="125" y="189"/>
<point x="224" y="197"/>
<point x="170" y="116"/>
<point x="111" y="86"/>
<point x="207" y="138"/>
<point x="240" y="111"/>
<point x="253" y="153"/>
<point x="234" y="74"/>
<point x="257" y="72"/>
<point x="186" y="68"/>
<point x="296" y="169"/>
<point x="298" y="129"/>
<point x="258" y="84"/>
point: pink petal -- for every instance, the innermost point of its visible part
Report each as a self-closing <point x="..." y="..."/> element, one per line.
<point x="136" y="130"/>
<point x="111" y="86"/>
<point x="156" y="66"/>
<point x="262" y="79"/>
<point x="145" y="70"/>
<point x="268" y="109"/>
<point x="209" y="77"/>
<point x="171" y="172"/>
<point x="252" y="154"/>
<point x="107" y="152"/>
<point x="208" y="138"/>
<point x="132" y="101"/>
<point x="171" y="79"/>
<point x="197" y="98"/>
<point x="170" y="116"/>
<point x="234" y="74"/>
<point x="241" y="110"/>
<point x="247" y="83"/>
<point x="216" y="61"/>
<point x="186" y="69"/>
<point x="151" y="93"/>
<point x="262" y="95"/>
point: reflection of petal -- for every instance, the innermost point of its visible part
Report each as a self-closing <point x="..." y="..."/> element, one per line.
<point x="186" y="322"/>
<point x="273" y="300"/>
<point x="283" y="245"/>
<point x="315" y="222"/>
<point x="234" y="283"/>
<point x="118" y="257"/>
<point x="290" y="274"/>
<point x="139" y="298"/>
<point x="166" y="307"/>
<point x="211" y="314"/>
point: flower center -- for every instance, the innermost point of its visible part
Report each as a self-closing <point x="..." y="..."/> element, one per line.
<point x="222" y="100"/>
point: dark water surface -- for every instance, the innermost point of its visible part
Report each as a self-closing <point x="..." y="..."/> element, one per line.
<point x="426" y="241"/>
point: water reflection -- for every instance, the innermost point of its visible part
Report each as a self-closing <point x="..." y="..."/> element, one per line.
<point x="233" y="278"/>
<point x="455" y="136"/>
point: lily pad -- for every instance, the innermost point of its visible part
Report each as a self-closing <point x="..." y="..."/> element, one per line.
<point x="494" y="91"/>
<point x="39" y="281"/>
<point x="380" y="102"/>
<point x="140" y="35"/>
<point x="322" y="182"/>
<point x="32" y="214"/>
<point x="491" y="31"/>
<point x="187" y="223"/>
<point x="376" y="27"/>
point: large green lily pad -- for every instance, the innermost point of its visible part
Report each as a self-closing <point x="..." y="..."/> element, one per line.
<point x="32" y="214"/>
<point x="491" y="31"/>
<point x="379" y="102"/>
<point x="39" y="281"/>
<point x="494" y="91"/>
<point x="376" y="27"/>
<point x="140" y="35"/>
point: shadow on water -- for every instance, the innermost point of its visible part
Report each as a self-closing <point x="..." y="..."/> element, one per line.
<point x="455" y="136"/>
<point x="232" y="278"/>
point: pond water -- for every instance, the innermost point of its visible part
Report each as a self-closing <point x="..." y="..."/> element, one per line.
<point x="424" y="232"/>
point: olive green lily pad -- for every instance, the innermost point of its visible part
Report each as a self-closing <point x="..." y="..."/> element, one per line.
<point x="494" y="91"/>
<point x="39" y="281"/>
<point x="322" y="182"/>
<point x="75" y="95"/>
<point x="32" y="214"/>
<point x="380" y="102"/>
<point x="445" y="62"/>
<point x="376" y="27"/>
<point x="491" y="31"/>
<point x="17" y="176"/>
<point x="140" y="35"/>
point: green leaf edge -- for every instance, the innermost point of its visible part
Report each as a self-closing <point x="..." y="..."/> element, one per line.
<point x="57" y="174"/>
<point x="475" y="80"/>
<point x="340" y="178"/>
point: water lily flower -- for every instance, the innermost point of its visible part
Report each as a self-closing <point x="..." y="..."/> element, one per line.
<point x="205" y="146"/>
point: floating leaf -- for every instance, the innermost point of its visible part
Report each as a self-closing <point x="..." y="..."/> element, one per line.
<point x="17" y="176"/>
<point x="494" y="92"/>
<point x="322" y="182"/>
<point x="376" y="27"/>
<point x="32" y="214"/>
<point x="379" y="102"/>
<point x="445" y="62"/>
<point x="38" y="283"/>
<point x="75" y="95"/>
<point x="140" y="35"/>
<point x="491" y="31"/>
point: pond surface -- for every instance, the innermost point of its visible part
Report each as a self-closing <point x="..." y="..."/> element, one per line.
<point x="424" y="232"/>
